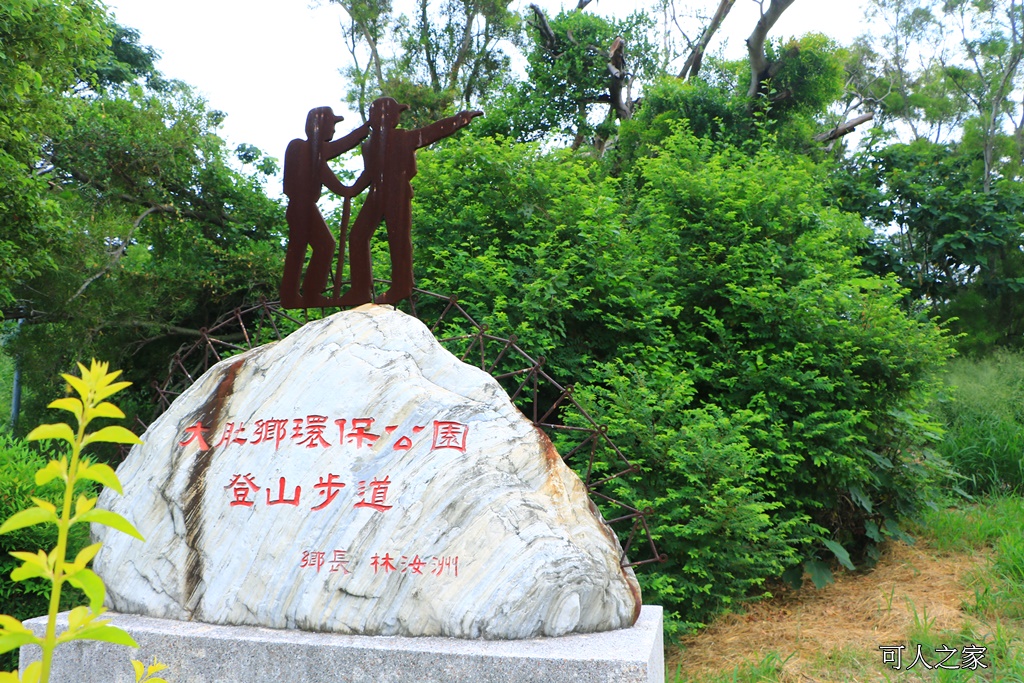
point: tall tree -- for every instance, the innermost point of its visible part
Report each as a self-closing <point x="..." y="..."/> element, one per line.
<point x="898" y="74"/>
<point x="48" y="49"/>
<point x="114" y="181"/>
<point x="942" y="69"/>
<point x="987" y="68"/>
<point x="945" y="77"/>
<point x="578" y="68"/>
<point x="955" y="246"/>
<point x="432" y="58"/>
<point x="162" y="235"/>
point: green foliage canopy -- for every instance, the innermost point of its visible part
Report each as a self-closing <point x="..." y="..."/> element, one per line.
<point x="954" y="246"/>
<point x="47" y="48"/>
<point x="114" y="180"/>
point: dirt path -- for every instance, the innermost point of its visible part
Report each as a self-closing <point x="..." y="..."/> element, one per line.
<point x="858" y="613"/>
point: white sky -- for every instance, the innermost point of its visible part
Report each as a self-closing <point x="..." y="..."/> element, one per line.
<point x="265" y="63"/>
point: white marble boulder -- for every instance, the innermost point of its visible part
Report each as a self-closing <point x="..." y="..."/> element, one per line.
<point x="358" y="478"/>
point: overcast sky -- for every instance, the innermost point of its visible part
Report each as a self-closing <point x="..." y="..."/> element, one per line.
<point x="265" y="63"/>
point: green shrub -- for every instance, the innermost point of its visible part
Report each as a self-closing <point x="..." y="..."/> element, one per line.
<point x="773" y="314"/>
<point x="706" y="490"/>
<point x="31" y="598"/>
<point x="770" y="388"/>
<point x="983" y="408"/>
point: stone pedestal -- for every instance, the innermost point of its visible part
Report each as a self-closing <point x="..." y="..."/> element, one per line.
<point x="203" y="653"/>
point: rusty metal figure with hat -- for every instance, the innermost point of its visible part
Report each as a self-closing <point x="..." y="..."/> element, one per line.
<point x="305" y="174"/>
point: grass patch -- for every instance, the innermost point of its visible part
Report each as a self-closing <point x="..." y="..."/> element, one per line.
<point x="767" y="670"/>
<point x="998" y="588"/>
<point x="965" y="528"/>
<point x="983" y="409"/>
<point x="844" y="664"/>
<point x="995" y="526"/>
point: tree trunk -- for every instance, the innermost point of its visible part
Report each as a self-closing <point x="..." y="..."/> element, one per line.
<point x="760" y="68"/>
<point x="428" y="53"/>
<point x="619" y="87"/>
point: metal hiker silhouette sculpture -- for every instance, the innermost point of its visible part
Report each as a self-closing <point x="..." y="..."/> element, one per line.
<point x="389" y="163"/>
<point x="305" y="174"/>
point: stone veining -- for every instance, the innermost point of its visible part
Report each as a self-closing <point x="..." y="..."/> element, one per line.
<point x="457" y="518"/>
<point x="209" y="414"/>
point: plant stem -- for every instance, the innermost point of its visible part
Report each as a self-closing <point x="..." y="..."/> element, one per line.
<point x="50" y="641"/>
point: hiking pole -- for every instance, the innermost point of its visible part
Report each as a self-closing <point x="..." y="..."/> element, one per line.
<point x="345" y="211"/>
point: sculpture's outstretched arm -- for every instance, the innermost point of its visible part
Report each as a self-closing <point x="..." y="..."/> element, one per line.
<point x="361" y="183"/>
<point x="443" y="128"/>
<point x="335" y="148"/>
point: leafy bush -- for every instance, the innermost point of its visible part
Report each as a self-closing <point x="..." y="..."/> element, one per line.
<point x="983" y="408"/>
<point x="771" y="389"/>
<point x="774" y="315"/>
<point x="532" y="244"/>
<point x="705" y="487"/>
<point x="28" y="599"/>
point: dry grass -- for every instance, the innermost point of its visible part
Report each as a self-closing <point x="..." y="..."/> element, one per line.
<point x="859" y="612"/>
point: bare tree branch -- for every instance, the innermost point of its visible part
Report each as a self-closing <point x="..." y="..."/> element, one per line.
<point x="428" y="52"/>
<point x="544" y="28"/>
<point x="465" y="46"/>
<point x="844" y="128"/>
<point x="697" y="49"/>
<point x="374" y="54"/>
<point x="115" y="256"/>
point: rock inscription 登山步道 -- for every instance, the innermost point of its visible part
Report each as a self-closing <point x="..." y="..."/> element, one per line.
<point x="356" y="477"/>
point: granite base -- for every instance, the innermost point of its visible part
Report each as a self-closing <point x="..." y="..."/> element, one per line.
<point x="203" y="653"/>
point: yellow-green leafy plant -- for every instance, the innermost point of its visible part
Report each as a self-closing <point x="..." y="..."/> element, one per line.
<point x="93" y="387"/>
<point x="144" y="674"/>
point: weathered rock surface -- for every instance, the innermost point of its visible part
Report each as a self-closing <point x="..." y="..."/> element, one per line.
<point x="357" y="478"/>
